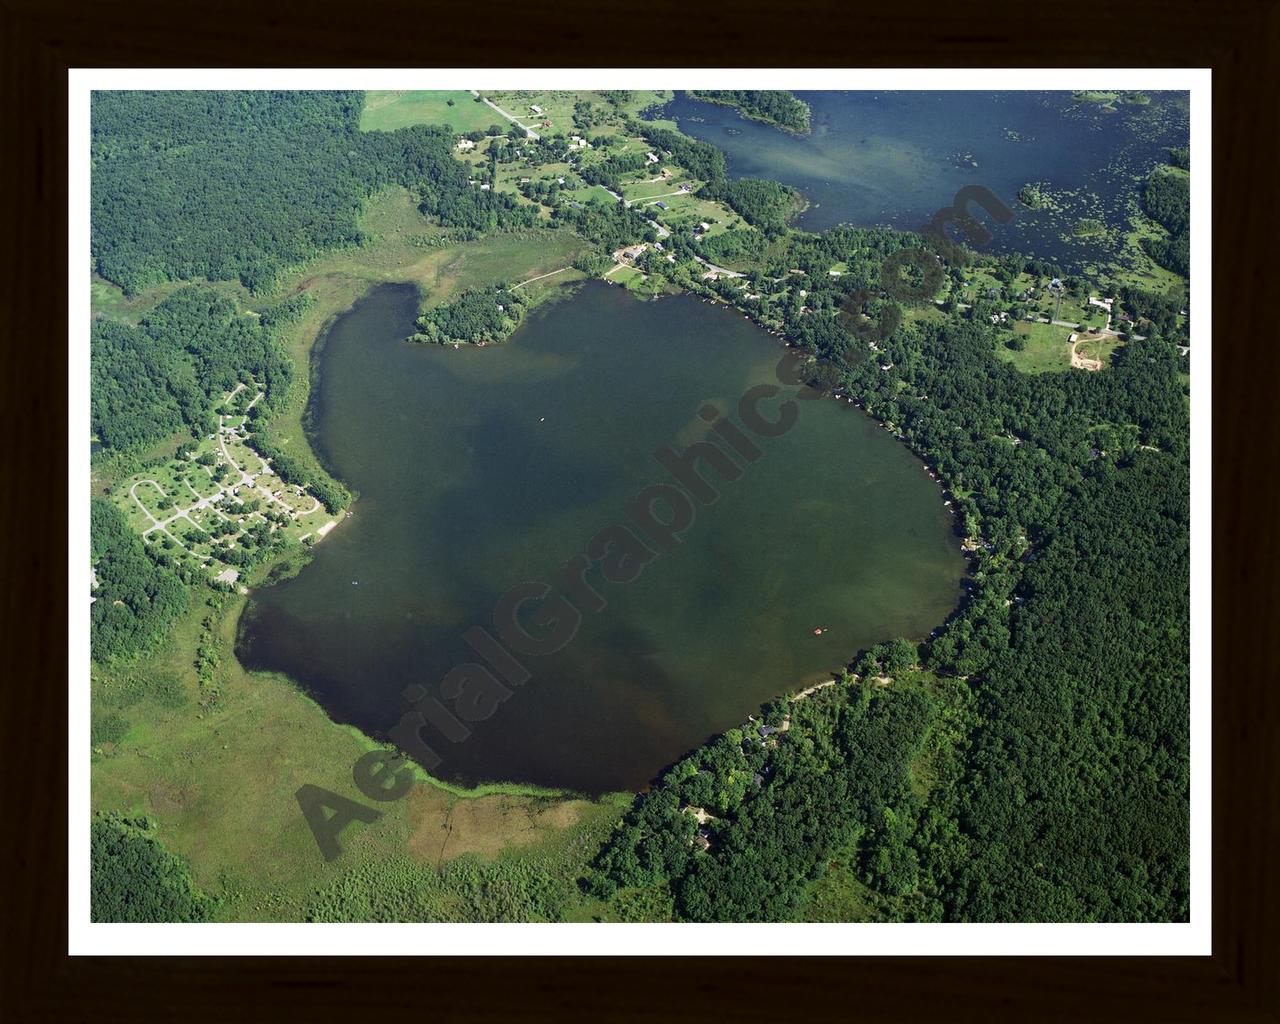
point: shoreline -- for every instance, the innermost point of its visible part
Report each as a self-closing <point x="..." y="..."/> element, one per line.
<point x="758" y="118"/>
<point x="507" y="787"/>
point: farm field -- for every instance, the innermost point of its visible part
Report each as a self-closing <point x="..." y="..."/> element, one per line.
<point x="386" y="111"/>
<point x="1047" y="349"/>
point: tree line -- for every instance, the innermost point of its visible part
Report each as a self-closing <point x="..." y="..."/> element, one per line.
<point x="171" y="371"/>
<point x="133" y="878"/>
<point x="772" y="106"/>
<point x="241" y="185"/>
<point x="778" y="795"/>
<point x="1070" y="801"/>
<point x="135" y="599"/>
<point x="1166" y="198"/>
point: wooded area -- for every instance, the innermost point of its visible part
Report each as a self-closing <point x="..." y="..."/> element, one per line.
<point x="171" y="371"/>
<point x="1073" y="799"/>
<point x="135" y="599"/>
<point x="1052" y="706"/>
<point x="773" y="106"/>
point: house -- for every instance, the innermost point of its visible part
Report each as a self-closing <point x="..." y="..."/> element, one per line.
<point x="484" y="186"/>
<point x="705" y="226"/>
<point x="661" y="205"/>
<point x="535" y="108"/>
<point x="466" y="144"/>
<point x="650" y="158"/>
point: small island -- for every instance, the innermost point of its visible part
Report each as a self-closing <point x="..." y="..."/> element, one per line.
<point x="777" y="107"/>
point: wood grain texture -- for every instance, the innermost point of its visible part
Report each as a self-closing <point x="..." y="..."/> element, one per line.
<point x="1239" y="40"/>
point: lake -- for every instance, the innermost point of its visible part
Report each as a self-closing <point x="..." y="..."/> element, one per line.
<point x="481" y="468"/>
<point x="896" y="158"/>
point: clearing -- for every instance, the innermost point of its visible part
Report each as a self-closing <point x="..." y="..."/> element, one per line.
<point x="385" y="111"/>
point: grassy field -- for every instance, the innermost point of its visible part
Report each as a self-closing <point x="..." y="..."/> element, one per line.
<point x="108" y="300"/>
<point x="221" y="780"/>
<point x="1047" y="349"/>
<point x="385" y="111"/>
<point x="1099" y="346"/>
<point x="557" y="107"/>
<point x="1136" y="268"/>
<point x="837" y="895"/>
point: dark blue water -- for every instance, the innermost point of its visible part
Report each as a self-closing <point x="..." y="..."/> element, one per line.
<point x="895" y="158"/>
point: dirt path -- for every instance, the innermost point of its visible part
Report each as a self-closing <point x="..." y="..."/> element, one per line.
<point x="813" y="689"/>
<point x="539" y="278"/>
<point x="1080" y="362"/>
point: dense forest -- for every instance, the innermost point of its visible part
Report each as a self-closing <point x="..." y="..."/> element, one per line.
<point x="171" y="371"/>
<point x="134" y="599"/>
<point x="133" y="878"/>
<point x="1072" y="802"/>
<point x="736" y="829"/>
<point x="773" y="106"/>
<point x="240" y="185"/>
<point x="1167" y="200"/>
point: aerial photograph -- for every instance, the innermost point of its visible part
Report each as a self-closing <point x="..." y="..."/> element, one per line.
<point x="638" y="505"/>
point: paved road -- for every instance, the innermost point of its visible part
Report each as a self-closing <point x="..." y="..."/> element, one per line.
<point x="718" y="270"/>
<point x="489" y="103"/>
<point x="246" y="480"/>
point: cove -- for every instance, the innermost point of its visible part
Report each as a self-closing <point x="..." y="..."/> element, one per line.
<point x="482" y="468"/>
